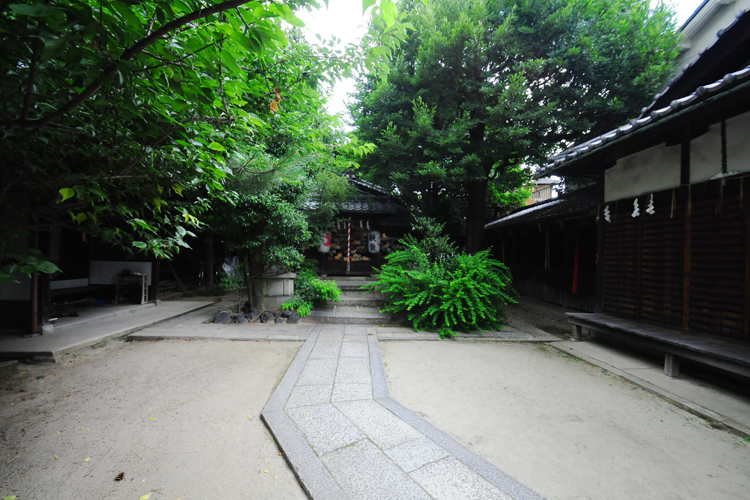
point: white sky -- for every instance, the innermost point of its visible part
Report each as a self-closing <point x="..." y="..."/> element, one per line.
<point x="344" y="19"/>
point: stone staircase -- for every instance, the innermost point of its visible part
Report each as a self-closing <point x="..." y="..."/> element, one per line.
<point x="356" y="307"/>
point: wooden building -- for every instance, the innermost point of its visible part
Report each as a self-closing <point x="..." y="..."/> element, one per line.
<point x="673" y="211"/>
<point x="371" y="210"/>
<point x="550" y="249"/>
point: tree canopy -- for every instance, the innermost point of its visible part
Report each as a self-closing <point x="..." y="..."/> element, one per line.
<point x="481" y="89"/>
<point x="118" y="118"/>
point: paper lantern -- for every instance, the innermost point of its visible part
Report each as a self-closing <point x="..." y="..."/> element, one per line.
<point x="325" y="243"/>
<point x="373" y="242"/>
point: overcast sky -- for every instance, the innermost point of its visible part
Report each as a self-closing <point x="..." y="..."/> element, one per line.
<point x="344" y="19"/>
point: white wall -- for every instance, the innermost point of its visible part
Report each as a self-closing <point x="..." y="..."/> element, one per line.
<point x="648" y="171"/>
<point x="738" y="143"/>
<point x="705" y="151"/>
<point x="705" y="155"/>
<point x="104" y="272"/>
<point x="701" y="32"/>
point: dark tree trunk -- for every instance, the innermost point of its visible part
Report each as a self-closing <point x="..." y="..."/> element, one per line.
<point x="256" y="271"/>
<point x="476" y="191"/>
<point x="208" y="264"/>
<point x="475" y="215"/>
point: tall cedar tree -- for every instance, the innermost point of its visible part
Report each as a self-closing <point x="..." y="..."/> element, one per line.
<point x="483" y="88"/>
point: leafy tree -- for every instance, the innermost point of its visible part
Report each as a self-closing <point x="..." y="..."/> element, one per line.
<point x="483" y="88"/>
<point x="118" y="117"/>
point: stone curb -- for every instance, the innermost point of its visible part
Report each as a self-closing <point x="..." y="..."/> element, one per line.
<point x="487" y="470"/>
<point x="310" y="471"/>
<point x="713" y="418"/>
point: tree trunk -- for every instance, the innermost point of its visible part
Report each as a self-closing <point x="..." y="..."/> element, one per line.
<point x="256" y="292"/>
<point x="476" y="191"/>
<point x="208" y="264"/>
<point x="475" y="215"/>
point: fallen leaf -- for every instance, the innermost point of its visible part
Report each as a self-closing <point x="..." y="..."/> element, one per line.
<point x="265" y="471"/>
<point x="146" y="496"/>
<point x="150" y="418"/>
<point x="55" y="457"/>
<point x="89" y="458"/>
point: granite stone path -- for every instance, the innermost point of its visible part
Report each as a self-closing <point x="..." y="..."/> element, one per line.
<point x="345" y="438"/>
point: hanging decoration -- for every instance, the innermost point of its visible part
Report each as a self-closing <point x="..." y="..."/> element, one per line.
<point x="650" y="209"/>
<point x="360" y="224"/>
<point x="636" y="209"/>
<point x="368" y="225"/>
<point x="607" y="215"/>
<point x="325" y="243"/>
<point x="674" y="203"/>
<point x="349" y="242"/>
<point x="373" y="241"/>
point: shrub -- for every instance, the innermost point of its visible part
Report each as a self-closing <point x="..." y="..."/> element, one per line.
<point x="447" y="292"/>
<point x="309" y="290"/>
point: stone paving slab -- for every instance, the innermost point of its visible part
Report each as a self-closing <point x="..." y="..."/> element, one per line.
<point x="383" y="428"/>
<point x="414" y="454"/>
<point x="449" y="479"/>
<point x="336" y="420"/>
<point x="325" y="427"/>
<point x="365" y="472"/>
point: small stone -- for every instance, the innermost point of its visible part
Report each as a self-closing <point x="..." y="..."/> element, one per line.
<point x="279" y="320"/>
<point x="223" y="317"/>
<point x="294" y="318"/>
<point x="266" y="316"/>
<point x="239" y="318"/>
<point x="277" y="314"/>
<point x="252" y="317"/>
<point x="286" y="314"/>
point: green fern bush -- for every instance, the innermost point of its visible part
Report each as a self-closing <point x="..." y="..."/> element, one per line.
<point x="445" y="293"/>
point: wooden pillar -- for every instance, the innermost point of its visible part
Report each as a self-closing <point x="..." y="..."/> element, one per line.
<point x="686" y="267"/>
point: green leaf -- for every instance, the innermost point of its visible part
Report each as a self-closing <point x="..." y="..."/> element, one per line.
<point x="231" y="63"/>
<point x="139" y="244"/>
<point x="249" y="43"/>
<point x="127" y="14"/>
<point x="216" y="146"/>
<point x="366" y="4"/>
<point x="38" y="10"/>
<point x="66" y="193"/>
<point x="145" y="497"/>
<point x="389" y="12"/>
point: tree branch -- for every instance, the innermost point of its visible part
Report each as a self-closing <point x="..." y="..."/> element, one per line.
<point x="129" y="54"/>
<point x="38" y="44"/>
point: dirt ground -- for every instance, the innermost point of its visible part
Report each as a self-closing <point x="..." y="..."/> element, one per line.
<point x="180" y="419"/>
<point x="565" y="428"/>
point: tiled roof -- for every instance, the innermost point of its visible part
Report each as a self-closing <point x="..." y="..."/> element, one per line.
<point x="367" y="185"/>
<point x="570" y="205"/>
<point x="701" y="94"/>
<point x="370" y="205"/>
<point x="720" y="45"/>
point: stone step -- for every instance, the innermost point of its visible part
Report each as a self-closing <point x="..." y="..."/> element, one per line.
<point x="358" y="298"/>
<point x="350" y="315"/>
<point x="350" y="283"/>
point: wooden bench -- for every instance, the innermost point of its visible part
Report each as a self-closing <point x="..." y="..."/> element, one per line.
<point x="726" y="354"/>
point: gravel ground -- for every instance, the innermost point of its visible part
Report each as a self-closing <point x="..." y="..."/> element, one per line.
<point x="180" y="419"/>
<point x="565" y="428"/>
